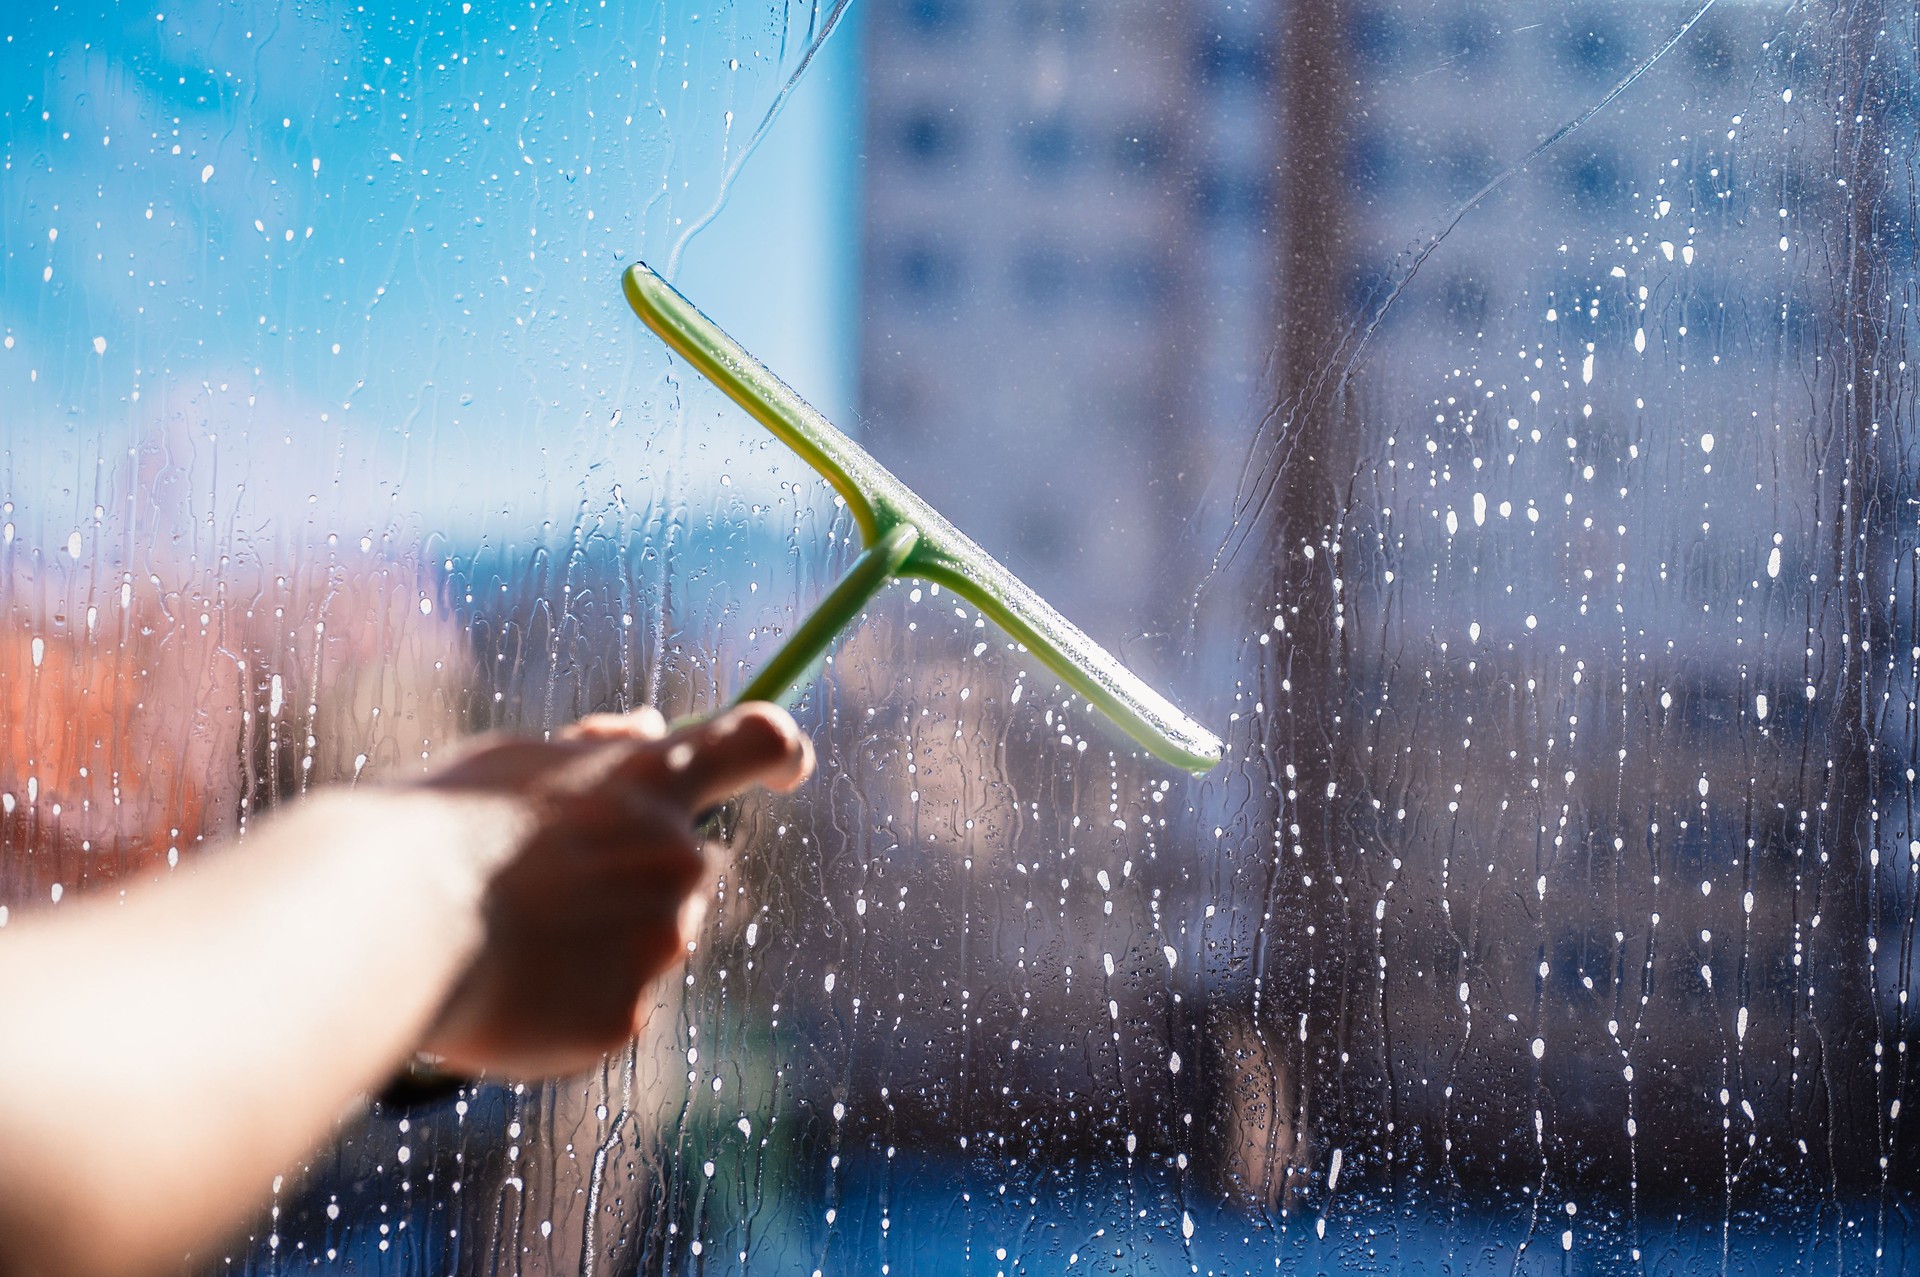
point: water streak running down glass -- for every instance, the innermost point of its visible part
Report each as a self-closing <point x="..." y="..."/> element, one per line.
<point x="1497" y="415"/>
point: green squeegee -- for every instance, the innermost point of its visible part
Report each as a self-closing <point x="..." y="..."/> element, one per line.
<point x="906" y="537"/>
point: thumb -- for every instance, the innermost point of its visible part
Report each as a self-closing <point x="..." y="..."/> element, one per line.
<point x="703" y="763"/>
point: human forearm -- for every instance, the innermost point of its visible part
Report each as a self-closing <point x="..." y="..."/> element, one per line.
<point x="166" y="1056"/>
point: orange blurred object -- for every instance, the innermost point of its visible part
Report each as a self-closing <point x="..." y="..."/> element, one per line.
<point x="127" y="744"/>
<point x="112" y="754"/>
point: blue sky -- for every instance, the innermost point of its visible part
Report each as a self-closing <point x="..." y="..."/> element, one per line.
<point x="358" y="277"/>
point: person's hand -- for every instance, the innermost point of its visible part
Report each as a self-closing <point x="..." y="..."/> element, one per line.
<point x="587" y="906"/>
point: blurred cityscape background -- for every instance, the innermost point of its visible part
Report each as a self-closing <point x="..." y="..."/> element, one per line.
<point x="1494" y="416"/>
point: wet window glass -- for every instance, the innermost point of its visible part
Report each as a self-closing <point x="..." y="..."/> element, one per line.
<point x="1494" y="419"/>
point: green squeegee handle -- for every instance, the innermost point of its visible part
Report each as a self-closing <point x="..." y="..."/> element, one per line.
<point x="941" y="554"/>
<point x="808" y="644"/>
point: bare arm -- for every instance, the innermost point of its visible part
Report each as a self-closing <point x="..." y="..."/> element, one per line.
<point x="162" y="1057"/>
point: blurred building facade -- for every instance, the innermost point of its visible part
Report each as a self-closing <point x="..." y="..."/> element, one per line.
<point x="1031" y="302"/>
<point x="1588" y="486"/>
<point x="1567" y="398"/>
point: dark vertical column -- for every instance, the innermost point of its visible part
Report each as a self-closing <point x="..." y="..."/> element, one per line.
<point x="1843" y="1095"/>
<point x="1316" y="93"/>
<point x="1299" y="782"/>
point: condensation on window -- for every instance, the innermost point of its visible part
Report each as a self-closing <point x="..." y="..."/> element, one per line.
<point x="1493" y="417"/>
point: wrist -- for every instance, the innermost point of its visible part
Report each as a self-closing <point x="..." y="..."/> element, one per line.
<point x="415" y="867"/>
<point x="449" y="844"/>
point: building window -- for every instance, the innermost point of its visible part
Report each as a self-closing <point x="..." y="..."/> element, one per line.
<point x="1376" y="161"/>
<point x="1233" y="195"/>
<point x="1235" y="58"/>
<point x="1595" y="177"/>
<point x="937" y="17"/>
<point x="1592" y="46"/>
<point x="1710" y="51"/>
<point x="928" y="271"/>
<point x="1376" y="36"/>
<point x="1049" y="147"/>
<point x="926" y="136"/>
<point x="1463" y="299"/>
